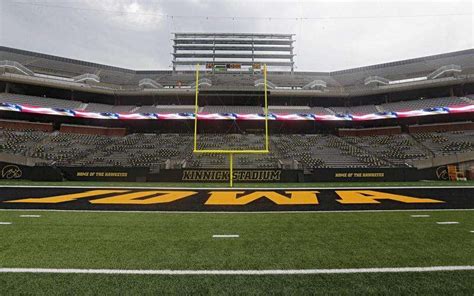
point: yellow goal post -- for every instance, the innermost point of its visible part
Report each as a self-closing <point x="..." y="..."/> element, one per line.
<point x="231" y="151"/>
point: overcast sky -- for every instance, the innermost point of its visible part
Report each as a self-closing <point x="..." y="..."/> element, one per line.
<point x="330" y="35"/>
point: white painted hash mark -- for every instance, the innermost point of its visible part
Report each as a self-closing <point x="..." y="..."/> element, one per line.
<point x="30" y="216"/>
<point x="447" y="222"/>
<point x="5" y="223"/>
<point x="241" y="272"/>
<point x="225" y="235"/>
<point x="420" y="216"/>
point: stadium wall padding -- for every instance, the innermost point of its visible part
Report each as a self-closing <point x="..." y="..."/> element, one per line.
<point x="376" y="174"/>
<point x="11" y="171"/>
<point x="114" y="174"/>
<point x="142" y="174"/>
<point x="222" y="175"/>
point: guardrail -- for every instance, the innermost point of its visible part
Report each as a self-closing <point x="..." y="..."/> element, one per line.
<point x="16" y="66"/>
<point x="261" y="83"/>
<point x="445" y="70"/>
<point x="316" y="84"/>
<point x="149" y="83"/>
<point x="376" y="80"/>
<point x="203" y="82"/>
<point x="87" y="78"/>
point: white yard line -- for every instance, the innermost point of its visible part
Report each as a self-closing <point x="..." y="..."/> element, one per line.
<point x="225" y="236"/>
<point x="237" y="212"/>
<point x="5" y="223"/>
<point x="447" y="222"/>
<point x="30" y="216"/>
<point x="239" y="272"/>
<point x="420" y="216"/>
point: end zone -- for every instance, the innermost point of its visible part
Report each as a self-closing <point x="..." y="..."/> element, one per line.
<point x="236" y="200"/>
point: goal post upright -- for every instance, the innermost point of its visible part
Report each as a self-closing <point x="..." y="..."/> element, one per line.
<point x="231" y="152"/>
<point x="196" y="107"/>
<point x="265" y="106"/>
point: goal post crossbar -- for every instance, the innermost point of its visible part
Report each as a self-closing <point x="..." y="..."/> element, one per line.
<point x="232" y="151"/>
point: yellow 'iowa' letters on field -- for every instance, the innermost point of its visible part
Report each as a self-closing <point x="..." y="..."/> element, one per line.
<point x="372" y="197"/>
<point x="230" y="197"/>
<point x="136" y="198"/>
<point x="66" y="197"/>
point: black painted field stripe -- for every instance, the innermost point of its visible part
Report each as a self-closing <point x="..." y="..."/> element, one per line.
<point x="453" y="198"/>
<point x="238" y="188"/>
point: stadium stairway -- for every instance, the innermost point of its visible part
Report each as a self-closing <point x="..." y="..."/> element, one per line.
<point x="330" y="111"/>
<point x="419" y="144"/>
<point x="379" y="108"/>
<point x="381" y="160"/>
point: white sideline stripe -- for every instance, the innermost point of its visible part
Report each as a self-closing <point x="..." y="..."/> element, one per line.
<point x="5" y="223"/>
<point x="239" y="272"/>
<point x="447" y="222"/>
<point x="420" y="216"/>
<point x="30" y="216"/>
<point x="472" y="231"/>
<point x="237" y="188"/>
<point x="225" y="235"/>
<point x="237" y="212"/>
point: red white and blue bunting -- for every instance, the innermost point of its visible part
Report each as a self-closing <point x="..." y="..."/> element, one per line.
<point x="235" y="116"/>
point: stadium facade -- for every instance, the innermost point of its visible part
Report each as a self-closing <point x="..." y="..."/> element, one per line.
<point x="403" y="120"/>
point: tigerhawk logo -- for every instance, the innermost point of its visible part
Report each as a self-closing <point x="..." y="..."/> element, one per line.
<point x="11" y="171"/>
<point x="222" y="198"/>
<point x="442" y="173"/>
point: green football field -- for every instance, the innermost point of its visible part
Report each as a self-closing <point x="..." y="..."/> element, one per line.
<point x="283" y="241"/>
<point x="339" y="244"/>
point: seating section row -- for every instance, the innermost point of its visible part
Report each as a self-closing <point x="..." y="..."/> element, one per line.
<point x="300" y="151"/>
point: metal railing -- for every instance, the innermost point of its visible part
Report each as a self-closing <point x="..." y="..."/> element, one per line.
<point x="88" y="77"/>
<point x="316" y="84"/>
<point x="149" y="83"/>
<point x="448" y="69"/>
<point x="202" y="82"/>
<point x="261" y="83"/>
<point x="376" y="80"/>
<point x="16" y="66"/>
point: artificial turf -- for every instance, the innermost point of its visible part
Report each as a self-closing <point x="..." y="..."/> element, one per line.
<point x="433" y="283"/>
<point x="267" y="241"/>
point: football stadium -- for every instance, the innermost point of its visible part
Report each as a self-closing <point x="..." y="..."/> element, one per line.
<point x="232" y="172"/>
